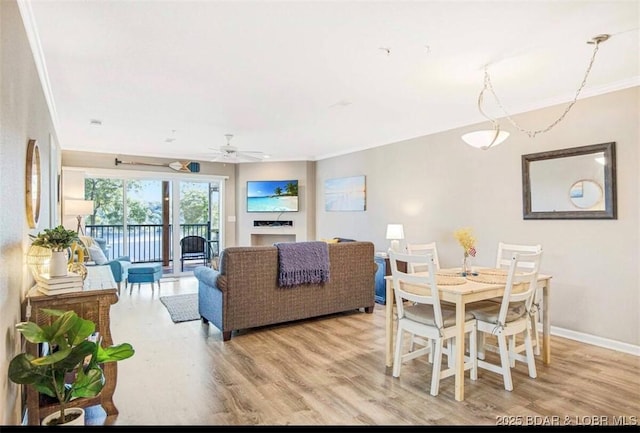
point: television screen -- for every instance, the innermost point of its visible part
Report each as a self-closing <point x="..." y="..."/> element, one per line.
<point x="272" y="196"/>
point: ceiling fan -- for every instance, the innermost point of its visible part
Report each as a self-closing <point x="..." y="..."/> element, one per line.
<point x="229" y="153"/>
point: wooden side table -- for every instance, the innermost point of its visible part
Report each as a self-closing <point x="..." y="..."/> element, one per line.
<point x="90" y="304"/>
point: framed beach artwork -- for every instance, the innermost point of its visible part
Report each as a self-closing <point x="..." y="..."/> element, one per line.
<point x="345" y="194"/>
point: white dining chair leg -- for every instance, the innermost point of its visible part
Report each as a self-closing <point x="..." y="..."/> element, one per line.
<point x="473" y="353"/>
<point x="512" y="351"/>
<point x="480" y="342"/>
<point x="415" y="339"/>
<point x="450" y="351"/>
<point x="437" y="364"/>
<point x="534" y="327"/>
<point x="531" y="362"/>
<point x="397" y="358"/>
<point x="411" y="342"/>
<point x="505" y="362"/>
<point x="432" y="345"/>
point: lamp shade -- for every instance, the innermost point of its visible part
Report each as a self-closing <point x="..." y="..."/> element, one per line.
<point x="395" y="231"/>
<point x="485" y="139"/>
<point x="78" y="207"/>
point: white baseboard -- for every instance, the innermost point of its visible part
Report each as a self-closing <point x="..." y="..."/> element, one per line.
<point x="596" y="341"/>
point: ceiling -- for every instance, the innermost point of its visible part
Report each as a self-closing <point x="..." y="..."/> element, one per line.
<point x="310" y="80"/>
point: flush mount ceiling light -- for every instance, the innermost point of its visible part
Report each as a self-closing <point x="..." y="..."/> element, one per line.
<point x="486" y="139"/>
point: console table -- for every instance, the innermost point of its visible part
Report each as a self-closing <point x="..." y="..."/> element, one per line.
<point x="90" y="304"/>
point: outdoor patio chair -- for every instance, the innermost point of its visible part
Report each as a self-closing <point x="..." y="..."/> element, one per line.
<point x="193" y="247"/>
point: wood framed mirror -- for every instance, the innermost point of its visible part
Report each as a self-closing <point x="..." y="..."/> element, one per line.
<point x="574" y="183"/>
<point x="33" y="184"/>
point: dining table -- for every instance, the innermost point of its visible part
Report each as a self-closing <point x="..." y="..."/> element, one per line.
<point x="462" y="292"/>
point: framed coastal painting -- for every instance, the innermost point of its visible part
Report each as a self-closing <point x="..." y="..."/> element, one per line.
<point x="345" y="194"/>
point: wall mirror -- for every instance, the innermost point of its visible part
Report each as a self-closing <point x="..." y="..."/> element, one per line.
<point x="574" y="183"/>
<point x="33" y="184"/>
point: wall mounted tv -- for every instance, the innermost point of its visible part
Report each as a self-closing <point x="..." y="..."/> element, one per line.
<point x="272" y="196"/>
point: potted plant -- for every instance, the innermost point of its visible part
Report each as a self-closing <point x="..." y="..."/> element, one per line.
<point x="71" y="367"/>
<point x="58" y="240"/>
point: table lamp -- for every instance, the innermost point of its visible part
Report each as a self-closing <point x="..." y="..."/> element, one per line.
<point x="38" y="259"/>
<point x="79" y="208"/>
<point x="395" y="232"/>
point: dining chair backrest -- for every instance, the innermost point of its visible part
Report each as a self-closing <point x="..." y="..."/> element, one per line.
<point x="522" y="280"/>
<point x="426" y="283"/>
<point x="505" y="252"/>
<point x="423" y="249"/>
<point x="513" y="317"/>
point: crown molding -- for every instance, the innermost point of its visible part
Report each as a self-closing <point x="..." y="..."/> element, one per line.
<point x="36" y="49"/>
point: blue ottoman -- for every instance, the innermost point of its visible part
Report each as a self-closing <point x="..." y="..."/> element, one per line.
<point x="144" y="273"/>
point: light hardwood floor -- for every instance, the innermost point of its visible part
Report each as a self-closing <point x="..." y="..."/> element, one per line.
<point x="330" y="371"/>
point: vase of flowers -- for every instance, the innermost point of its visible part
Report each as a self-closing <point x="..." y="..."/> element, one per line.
<point x="467" y="241"/>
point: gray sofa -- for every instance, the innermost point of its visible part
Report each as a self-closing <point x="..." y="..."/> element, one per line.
<point x="245" y="292"/>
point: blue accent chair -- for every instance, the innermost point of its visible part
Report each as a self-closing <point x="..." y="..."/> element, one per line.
<point x="119" y="266"/>
<point x="120" y="270"/>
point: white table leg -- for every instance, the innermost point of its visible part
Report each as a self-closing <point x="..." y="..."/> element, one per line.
<point x="459" y="351"/>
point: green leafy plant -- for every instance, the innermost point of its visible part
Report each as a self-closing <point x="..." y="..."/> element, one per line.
<point x="56" y="239"/>
<point x="72" y="366"/>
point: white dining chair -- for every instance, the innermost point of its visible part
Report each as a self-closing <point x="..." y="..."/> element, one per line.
<point x="429" y="248"/>
<point x="503" y="261"/>
<point x="425" y="316"/>
<point x="510" y="317"/>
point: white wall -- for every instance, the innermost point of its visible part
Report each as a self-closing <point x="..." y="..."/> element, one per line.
<point x="436" y="184"/>
<point x="24" y="115"/>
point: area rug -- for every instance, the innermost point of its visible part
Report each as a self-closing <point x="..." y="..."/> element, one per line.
<point x="182" y="308"/>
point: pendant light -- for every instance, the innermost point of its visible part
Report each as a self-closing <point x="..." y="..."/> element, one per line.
<point x="488" y="138"/>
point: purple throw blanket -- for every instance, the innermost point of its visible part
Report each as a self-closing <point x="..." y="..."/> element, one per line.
<point x="303" y="263"/>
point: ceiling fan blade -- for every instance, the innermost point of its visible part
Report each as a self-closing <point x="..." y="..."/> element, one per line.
<point x="231" y="154"/>
<point x="243" y="155"/>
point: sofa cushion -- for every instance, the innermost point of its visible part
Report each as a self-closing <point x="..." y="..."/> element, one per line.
<point x="97" y="255"/>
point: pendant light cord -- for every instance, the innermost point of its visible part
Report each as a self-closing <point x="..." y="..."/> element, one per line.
<point x="488" y="86"/>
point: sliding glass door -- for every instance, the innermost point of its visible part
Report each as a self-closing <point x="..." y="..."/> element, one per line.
<point x="199" y="228"/>
<point x="145" y="219"/>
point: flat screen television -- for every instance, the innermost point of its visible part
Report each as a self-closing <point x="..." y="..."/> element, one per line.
<point x="272" y="196"/>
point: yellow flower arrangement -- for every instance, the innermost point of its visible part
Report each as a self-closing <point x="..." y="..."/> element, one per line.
<point x="466" y="240"/>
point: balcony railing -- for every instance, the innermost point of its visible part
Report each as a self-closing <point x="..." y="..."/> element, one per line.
<point x="144" y="241"/>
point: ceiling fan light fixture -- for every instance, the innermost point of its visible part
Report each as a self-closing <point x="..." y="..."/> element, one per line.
<point x="229" y="153"/>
